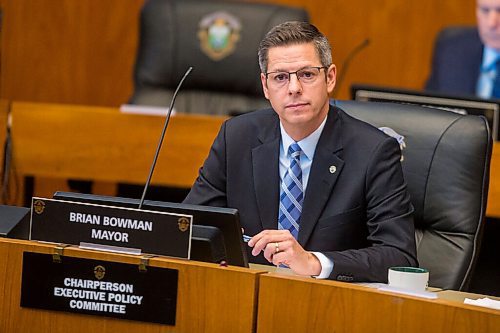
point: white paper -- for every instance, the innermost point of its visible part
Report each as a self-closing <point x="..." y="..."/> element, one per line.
<point x="486" y="302"/>
<point x="423" y="294"/>
<point x="145" y="110"/>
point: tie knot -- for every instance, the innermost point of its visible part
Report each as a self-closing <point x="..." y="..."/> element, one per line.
<point x="294" y="150"/>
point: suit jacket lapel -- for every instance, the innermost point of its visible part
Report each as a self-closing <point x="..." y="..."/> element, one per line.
<point x="265" y="164"/>
<point x="325" y="170"/>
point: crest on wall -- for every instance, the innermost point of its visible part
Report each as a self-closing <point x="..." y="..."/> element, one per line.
<point x="218" y="33"/>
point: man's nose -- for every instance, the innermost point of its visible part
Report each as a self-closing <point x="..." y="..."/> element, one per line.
<point x="493" y="19"/>
<point x="294" y="85"/>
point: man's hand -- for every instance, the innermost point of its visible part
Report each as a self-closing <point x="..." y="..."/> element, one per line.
<point x="280" y="247"/>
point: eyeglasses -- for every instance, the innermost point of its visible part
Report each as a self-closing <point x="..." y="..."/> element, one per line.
<point x="305" y="75"/>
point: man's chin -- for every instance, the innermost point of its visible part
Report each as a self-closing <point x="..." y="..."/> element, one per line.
<point x="299" y="119"/>
<point x="493" y="43"/>
<point x="298" y="115"/>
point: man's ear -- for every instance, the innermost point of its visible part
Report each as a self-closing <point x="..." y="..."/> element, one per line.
<point x="264" y="85"/>
<point x="331" y="78"/>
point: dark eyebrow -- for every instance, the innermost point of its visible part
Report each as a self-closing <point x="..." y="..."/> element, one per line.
<point x="488" y="8"/>
<point x="285" y="71"/>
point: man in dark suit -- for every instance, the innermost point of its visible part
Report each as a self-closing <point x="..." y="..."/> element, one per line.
<point x="465" y="58"/>
<point x="317" y="190"/>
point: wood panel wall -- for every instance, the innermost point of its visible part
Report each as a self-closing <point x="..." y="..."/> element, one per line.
<point x="401" y="35"/>
<point x="82" y="51"/>
<point x="69" y="51"/>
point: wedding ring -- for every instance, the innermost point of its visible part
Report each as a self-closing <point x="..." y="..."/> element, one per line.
<point x="277" y="245"/>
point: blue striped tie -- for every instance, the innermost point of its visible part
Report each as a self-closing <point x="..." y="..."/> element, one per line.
<point x="291" y="193"/>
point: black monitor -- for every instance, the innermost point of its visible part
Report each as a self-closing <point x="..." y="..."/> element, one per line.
<point x="14" y="222"/>
<point x="454" y="103"/>
<point x="216" y="234"/>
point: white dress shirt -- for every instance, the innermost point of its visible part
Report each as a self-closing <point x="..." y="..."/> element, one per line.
<point x="308" y="146"/>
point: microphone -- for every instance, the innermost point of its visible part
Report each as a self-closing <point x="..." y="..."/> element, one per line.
<point x="7" y="157"/>
<point x="347" y="62"/>
<point x="162" y="136"/>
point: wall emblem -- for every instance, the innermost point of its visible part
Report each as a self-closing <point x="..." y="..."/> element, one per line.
<point x="218" y="33"/>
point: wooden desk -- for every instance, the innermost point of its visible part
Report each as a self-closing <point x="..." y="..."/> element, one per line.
<point x="54" y="141"/>
<point x="235" y="299"/>
<point x="100" y="143"/>
<point x="294" y="304"/>
<point x="210" y="298"/>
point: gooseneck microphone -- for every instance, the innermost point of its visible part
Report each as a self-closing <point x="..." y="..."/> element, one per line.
<point x="347" y="62"/>
<point x="162" y="136"/>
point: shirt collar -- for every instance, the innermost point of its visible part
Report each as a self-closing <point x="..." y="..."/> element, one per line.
<point x="308" y="144"/>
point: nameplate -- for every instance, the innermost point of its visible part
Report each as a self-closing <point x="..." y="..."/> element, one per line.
<point x="110" y="228"/>
<point x="100" y="288"/>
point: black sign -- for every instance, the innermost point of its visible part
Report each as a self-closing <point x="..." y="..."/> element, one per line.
<point x="127" y="228"/>
<point x="101" y="288"/>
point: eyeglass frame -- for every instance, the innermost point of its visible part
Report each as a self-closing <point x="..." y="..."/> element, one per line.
<point x="319" y="68"/>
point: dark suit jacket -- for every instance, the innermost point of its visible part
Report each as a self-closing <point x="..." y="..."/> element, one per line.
<point x="456" y="63"/>
<point x="360" y="216"/>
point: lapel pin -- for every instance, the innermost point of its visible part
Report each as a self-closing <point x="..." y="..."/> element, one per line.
<point x="333" y="168"/>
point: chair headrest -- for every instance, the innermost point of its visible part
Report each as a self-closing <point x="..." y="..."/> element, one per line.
<point x="219" y="39"/>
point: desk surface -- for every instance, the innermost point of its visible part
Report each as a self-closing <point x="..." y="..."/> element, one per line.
<point x="451" y="295"/>
<point x="295" y="304"/>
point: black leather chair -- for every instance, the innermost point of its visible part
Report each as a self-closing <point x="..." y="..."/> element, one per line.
<point x="219" y="39"/>
<point x="446" y="158"/>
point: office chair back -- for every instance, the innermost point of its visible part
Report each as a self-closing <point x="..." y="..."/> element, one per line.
<point x="446" y="158"/>
<point x="219" y="39"/>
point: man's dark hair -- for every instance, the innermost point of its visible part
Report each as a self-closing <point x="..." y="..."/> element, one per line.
<point x="295" y="32"/>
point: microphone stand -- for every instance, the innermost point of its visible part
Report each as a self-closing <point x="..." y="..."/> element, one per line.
<point x="162" y="136"/>
<point x="347" y="61"/>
